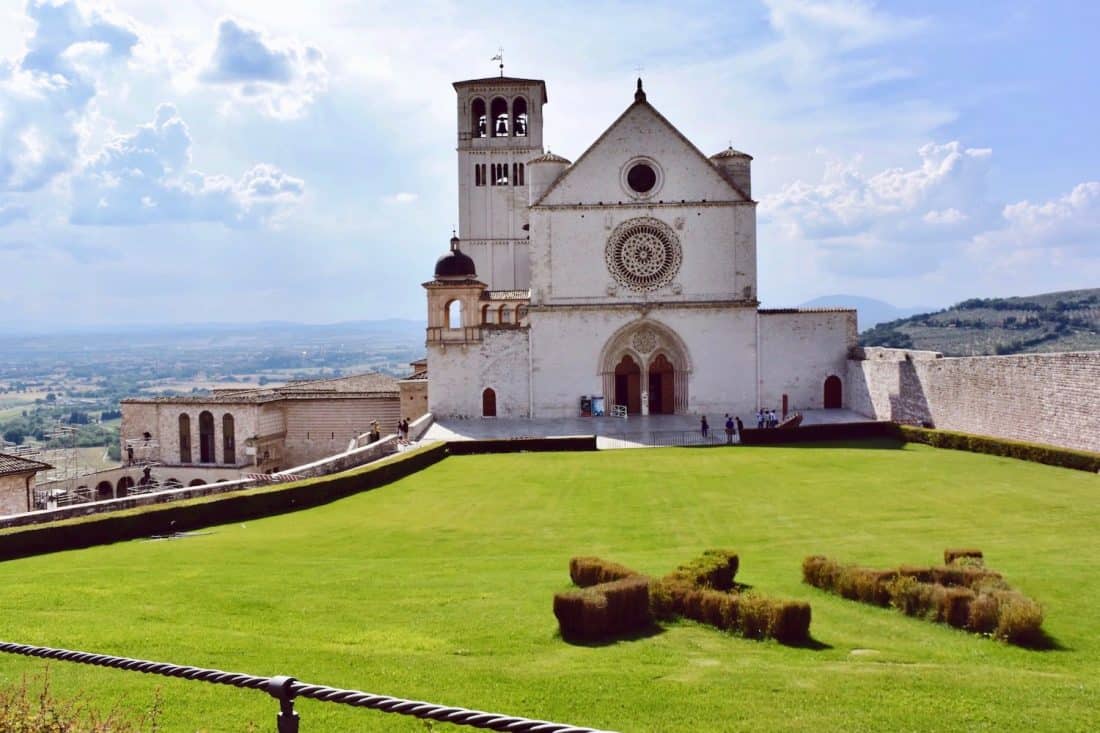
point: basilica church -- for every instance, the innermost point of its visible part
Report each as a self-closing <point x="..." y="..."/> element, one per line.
<point x="628" y="276"/>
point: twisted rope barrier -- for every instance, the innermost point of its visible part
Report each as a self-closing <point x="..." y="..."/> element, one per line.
<point x="285" y="689"/>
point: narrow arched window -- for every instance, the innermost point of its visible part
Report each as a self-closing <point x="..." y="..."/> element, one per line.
<point x="498" y="113"/>
<point x="206" y="437"/>
<point x="478" y="120"/>
<point x="489" y="403"/>
<point x="477" y="175"/>
<point x="505" y="314"/>
<point x="229" y="440"/>
<point x="454" y="314"/>
<point x="484" y="314"/>
<point x="519" y="176"/>
<point x="185" y="438"/>
<point x="519" y="117"/>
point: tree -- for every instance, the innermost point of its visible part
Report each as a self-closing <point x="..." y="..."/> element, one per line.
<point x="14" y="435"/>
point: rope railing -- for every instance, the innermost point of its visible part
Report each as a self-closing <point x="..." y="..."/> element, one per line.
<point x="286" y="689"/>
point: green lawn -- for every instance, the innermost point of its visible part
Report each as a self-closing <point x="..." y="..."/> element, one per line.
<point x="439" y="587"/>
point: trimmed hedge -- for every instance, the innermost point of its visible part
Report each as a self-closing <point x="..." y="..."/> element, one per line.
<point x="963" y="596"/>
<point x="604" y="611"/>
<point x="588" y="571"/>
<point x="1035" y="452"/>
<point x="818" y="433"/>
<point x="183" y="516"/>
<point x="522" y="445"/>
<point x="951" y="555"/>
<point x="704" y="590"/>
<point x="713" y="569"/>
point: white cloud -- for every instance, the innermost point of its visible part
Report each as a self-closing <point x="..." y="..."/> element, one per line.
<point x="402" y="197"/>
<point x="1068" y="226"/>
<point x="44" y="94"/>
<point x="145" y="177"/>
<point x="281" y="77"/>
<point x="897" y="220"/>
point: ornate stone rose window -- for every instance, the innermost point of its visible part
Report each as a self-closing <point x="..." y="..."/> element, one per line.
<point x="643" y="254"/>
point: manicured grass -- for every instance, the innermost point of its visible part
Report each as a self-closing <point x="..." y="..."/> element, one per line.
<point x="439" y="587"/>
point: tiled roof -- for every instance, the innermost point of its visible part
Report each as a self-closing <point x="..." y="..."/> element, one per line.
<point x="549" y="158"/>
<point x="354" y="384"/>
<point x="731" y="153"/>
<point x="774" y="311"/>
<point x="14" y="464"/>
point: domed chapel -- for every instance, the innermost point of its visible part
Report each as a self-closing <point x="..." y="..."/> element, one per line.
<point x="629" y="274"/>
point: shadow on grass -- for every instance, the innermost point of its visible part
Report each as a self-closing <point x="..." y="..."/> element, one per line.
<point x="1041" y="641"/>
<point x="811" y="644"/>
<point x="859" y="443"/>
<point x="646" y="633"/>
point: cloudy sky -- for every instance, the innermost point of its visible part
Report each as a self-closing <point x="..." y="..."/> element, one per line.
<point x="248" y="160"/>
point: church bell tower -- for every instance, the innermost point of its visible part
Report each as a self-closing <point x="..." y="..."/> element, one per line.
<point x="499" y="131"/>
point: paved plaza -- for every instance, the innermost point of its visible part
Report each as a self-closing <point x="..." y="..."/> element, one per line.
<point x="613" y="432"/>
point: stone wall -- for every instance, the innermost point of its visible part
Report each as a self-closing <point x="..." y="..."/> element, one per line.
<point x="799" y="349"/>
<point x="13" y="493"/>
<point x="1041" y="398"/>
<point x="318" y="427"/>
<point x="460" y="373"/>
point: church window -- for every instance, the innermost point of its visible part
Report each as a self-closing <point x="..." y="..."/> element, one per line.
<point x="517" y="174"/>
<point x="643" y="254"/>
<point x="229" y="440"/>
<point x="641" y="177"/>
<point x="185" y="438"/>
<point x="519" y="117"/>
<point x="477" y="174"/>
<point x="206" y="437"/>
<point x="500" y="174"/>
<point x="454" y="314"/>
<point x="485" y="314"/>
<point x="478" y="119"/>
<point x="498" y="112"/>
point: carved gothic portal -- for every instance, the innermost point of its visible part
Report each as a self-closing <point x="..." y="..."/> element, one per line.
<point x="645" y="366"/>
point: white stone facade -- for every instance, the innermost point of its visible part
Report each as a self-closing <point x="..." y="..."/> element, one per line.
<point x="633" y="275"/>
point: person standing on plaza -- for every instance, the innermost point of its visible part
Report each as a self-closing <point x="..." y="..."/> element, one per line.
<point x="704" y="428"/>
<point x="729" y="430"/>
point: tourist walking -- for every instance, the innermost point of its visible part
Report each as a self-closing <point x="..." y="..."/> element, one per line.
<point x="760" y="418"/>
<point x="729" y="430"/>
<point x="704" y="428"/>
<point x="740" y="427"/>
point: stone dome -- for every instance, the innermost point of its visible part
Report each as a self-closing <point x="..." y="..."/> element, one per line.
<point x="730" y="153"/>
<point x="549" y="158"/>
<point x="455" y="265"/>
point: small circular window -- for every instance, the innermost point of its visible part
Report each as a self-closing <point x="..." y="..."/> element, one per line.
<point x="641" y="177"/>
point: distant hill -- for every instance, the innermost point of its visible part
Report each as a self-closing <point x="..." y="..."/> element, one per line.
<point x="871" y="312"/>
<point x="1065" y="321"/>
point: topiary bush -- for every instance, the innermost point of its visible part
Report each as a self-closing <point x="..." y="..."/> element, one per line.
<point x="605" y="610"/>
<point x="964" y="596"/>
<point x="589" y="571"/>
<point x="614" y="600"/>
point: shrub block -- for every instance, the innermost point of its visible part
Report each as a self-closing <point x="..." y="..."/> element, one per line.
<point x="589" y="571"/>
<point x="964" y="596"/>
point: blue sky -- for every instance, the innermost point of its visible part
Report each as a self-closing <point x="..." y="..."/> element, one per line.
<point x="235" y="161"/>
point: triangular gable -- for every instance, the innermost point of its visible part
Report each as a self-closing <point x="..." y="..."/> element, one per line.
<point x="604" y="174"/>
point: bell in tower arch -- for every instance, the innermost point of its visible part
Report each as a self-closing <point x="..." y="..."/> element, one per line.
<point x="502" y="126"/>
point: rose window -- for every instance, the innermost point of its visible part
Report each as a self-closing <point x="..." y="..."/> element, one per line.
<point x="643" y="254"/>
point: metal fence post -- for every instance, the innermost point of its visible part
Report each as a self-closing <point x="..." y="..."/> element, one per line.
<point x="280" y="689"/>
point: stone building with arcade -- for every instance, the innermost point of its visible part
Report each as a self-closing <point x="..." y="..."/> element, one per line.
<point x="628" y="274"/>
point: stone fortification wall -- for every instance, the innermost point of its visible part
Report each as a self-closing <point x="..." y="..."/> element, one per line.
<point x="1041" y="398"/>
<point x="319" y="427"/>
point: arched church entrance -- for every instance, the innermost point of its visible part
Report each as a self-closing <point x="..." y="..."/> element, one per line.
<point x="833" y="394"/>
<point x="662" y="386"/>
<point x="646" y="358"/>
<point x="628" y="385"/>
<point x="489" y="403"/>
